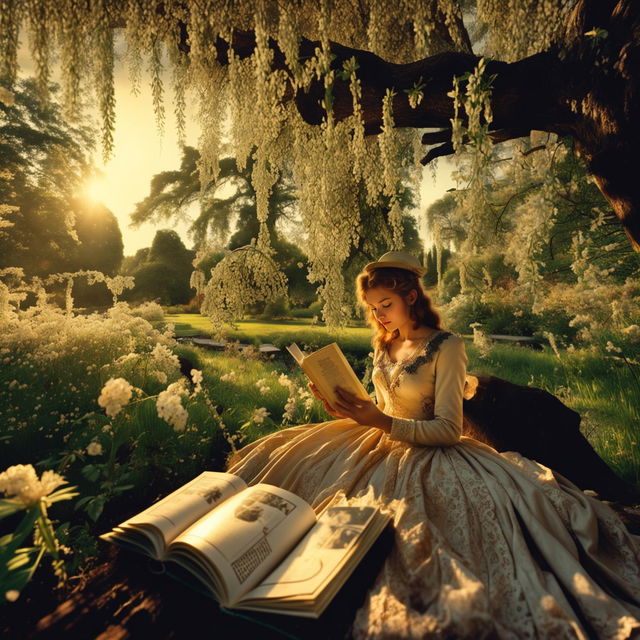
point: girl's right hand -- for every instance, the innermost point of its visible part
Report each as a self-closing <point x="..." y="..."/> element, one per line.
<point x="327" y="407"/>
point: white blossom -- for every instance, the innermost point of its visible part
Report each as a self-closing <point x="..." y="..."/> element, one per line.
<point x="22" y="483"/>
<point x="633" y="332"/>
<point x="196" y="377"/>
<point x="94" y="449"/>
<point x="259" y="415"/>
<point x="169" y="406"/>
<point x="611" y="347"/>
<point x="115" y="393"/>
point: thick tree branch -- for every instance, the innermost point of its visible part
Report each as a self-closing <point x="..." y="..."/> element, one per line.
<point x="585" y="86"/>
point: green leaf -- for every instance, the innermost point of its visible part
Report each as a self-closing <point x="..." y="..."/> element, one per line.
<point x="9" y="506"/>
<point x="46" y="531"/>
<point x="123" y="487"/>
<point x="94" y="508"/>
<point x="62" y="494"/>
<point x="91" y="472"/>
<point x="82" y="502"/>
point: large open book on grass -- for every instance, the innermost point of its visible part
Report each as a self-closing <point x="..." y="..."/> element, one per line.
<point x="255" y="547"/>
<point x="327" y="368"/>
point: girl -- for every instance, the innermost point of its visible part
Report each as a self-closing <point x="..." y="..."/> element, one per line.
<point x="487" y="544"/>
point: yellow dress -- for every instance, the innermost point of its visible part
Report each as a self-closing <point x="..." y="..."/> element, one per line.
<point x="486" y="544"/>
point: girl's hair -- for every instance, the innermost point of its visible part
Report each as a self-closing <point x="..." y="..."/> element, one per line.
<point x="402" y="282"/>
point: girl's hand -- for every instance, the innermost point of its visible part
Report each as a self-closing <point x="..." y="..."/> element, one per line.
<point x="327" y="407"/>
<point x="362" y="411"/>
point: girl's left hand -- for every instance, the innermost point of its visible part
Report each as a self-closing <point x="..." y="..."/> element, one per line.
<point x="362" y="411"/>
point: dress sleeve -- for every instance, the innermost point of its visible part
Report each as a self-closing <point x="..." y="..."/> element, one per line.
<point x="446" y="426"/>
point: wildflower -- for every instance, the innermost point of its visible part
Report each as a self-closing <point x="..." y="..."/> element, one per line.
<point x="611" y="347"/>
<point x="229" y="377"/>
<point x="196" y="376"/>
<point x="12" y="595"/>
<point x="259" y="415"/>
<point x="633" y="331"/>
<point x="115" y="393"/>
<point x="94" y="449"/>
<point x="21" y="482"/>
<point x="161" y="376"/>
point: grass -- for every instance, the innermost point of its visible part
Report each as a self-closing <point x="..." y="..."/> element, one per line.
<point x="603" y="390"/>
<point x="278" y="332"/>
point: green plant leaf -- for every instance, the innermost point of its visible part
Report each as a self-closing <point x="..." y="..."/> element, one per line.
<point x="9" y="506"/>
<point x="91" y="472"/>
<point x="95" y="507"/>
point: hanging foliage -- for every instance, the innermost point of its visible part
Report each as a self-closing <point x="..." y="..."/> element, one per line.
<point x="307" y="82"/>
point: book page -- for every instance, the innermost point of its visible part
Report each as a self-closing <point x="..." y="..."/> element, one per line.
<point x="183" y="507"/>
<point x="248" y="535"/>
<point x="328" y="368"/>
<point x="315" y="560"/>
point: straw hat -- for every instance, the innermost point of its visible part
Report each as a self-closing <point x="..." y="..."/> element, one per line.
<point x="399" y="260"/>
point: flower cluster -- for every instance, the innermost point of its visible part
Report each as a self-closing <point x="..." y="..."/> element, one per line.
<point x="21" y="482"/>
<point x="94" y="448"/>
<point x="115" y="394"/>
<point x="196" y="377"/>
<point x="262" y="386"/>
<point x="169" y="406"/>
<point x="298" y="396"/>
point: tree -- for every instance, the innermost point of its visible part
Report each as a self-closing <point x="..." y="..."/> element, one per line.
<point x="52" y="229"/>
<point x="173" y="192"/>
<point x="162" y="271"/>
<point x="341" y="90"/>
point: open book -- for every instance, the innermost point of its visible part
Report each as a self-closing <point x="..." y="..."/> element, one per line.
<point x="255" y="547"/>
<point x="327" y="368"/>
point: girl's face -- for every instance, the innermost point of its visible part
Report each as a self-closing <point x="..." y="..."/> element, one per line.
<point x="389" y="308"/>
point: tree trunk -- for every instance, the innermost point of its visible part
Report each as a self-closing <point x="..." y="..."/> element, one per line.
<point x="533" y="422"/>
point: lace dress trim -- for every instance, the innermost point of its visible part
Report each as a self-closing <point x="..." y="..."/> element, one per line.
<point x="411" y="363"/>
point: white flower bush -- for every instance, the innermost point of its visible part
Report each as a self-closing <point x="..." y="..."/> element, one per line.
<point x="299" y="401"/>
<point x="150" y="311"/>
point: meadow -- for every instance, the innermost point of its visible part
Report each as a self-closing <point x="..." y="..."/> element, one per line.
<point x="123" y="412"/>
<point x="604" y="389"/>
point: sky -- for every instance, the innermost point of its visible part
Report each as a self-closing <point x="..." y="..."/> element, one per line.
<point x="139" y="152"/>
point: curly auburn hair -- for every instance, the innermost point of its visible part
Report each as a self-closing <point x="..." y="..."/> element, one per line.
<point x="402" y="282"/>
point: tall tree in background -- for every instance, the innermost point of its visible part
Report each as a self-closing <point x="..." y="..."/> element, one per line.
<point x="162" y="272"/>
<point x="46" y="163"/>
<point x="228" y="219"/>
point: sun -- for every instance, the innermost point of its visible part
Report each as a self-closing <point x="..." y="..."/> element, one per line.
<point x="96" y="188"/>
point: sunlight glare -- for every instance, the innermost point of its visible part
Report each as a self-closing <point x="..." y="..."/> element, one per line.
<point x="96" y="189"/>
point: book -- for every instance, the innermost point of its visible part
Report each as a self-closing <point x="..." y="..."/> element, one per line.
<point x="259" y="547"/>
<point x="327" y="368"/>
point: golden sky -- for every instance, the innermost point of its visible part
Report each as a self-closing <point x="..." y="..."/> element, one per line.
<point x="139" y="153"/>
